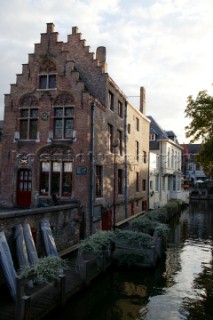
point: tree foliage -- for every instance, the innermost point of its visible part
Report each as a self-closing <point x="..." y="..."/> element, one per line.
<point x="200" y="111"/>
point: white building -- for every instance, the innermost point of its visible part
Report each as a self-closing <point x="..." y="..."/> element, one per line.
<point x="165" y="166"/>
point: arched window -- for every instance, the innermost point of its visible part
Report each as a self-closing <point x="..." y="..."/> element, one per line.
<point x="28" y="119"/>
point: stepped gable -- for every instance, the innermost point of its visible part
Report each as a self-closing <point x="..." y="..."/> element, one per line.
<point x="92" y="71"/>
<point x="52" y="55"/>
<point x="75" y="65"/>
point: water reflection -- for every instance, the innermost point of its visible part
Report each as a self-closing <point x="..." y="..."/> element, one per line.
<point x="180" y="287"/>
<point x="189" y="269"/>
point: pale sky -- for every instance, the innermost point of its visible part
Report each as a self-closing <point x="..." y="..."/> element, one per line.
<point x="163" y="45"/>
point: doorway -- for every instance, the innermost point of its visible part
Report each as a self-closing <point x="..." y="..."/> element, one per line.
<point x="24" y="188"/>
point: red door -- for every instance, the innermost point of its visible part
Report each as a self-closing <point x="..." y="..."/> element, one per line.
<point x="24" y="188"/>
<point x="107" y="220"/>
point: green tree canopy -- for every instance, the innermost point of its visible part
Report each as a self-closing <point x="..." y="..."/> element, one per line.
<point x="200" y="111"/>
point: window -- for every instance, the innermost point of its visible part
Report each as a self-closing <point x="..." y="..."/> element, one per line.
<point x="56" y="178"/>
<point x="120" y="109"/>
<point x="137" y="124"/>
<point x="144" y="157"/>
<point x="137" y="150"/>
<point x="28" y="118"/>
<point x="28" y="124"/>
<point x="151" y="184"/>
<point x="120" y="181"/>
<point x="63" y="122"/>
<point x="144" y="184"/>
<point x="174" y="184"/>
<point x="110" y="137"/>
<point x="163" y="183"/>
<point x="47" y="81"/>
<point x="172" y="160"/>
<point x="120" y="142"/>
<point x="169" y="183"/>
<point x="152" y="137"/>
<point x="97" y="213"/>
<point x="157" y="183"/>
<point x="111" y="100"/>
<point x="99" y="182"/>
<point x="137" y="181"/>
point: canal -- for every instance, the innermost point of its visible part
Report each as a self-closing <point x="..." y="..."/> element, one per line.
<point x="180" y="286"/>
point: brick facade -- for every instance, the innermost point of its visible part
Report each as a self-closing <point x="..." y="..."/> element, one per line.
<point x="81" y="79"/>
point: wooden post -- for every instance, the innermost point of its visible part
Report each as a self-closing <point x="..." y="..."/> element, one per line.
<point x="26" y="300"/>
<point x="19" y="309"/>
<point x="62" y="289"/>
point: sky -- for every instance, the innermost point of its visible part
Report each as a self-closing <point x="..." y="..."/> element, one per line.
<point x="165" y="46"/>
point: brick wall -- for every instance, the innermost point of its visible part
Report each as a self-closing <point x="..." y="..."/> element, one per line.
<point x="65" y="222"/>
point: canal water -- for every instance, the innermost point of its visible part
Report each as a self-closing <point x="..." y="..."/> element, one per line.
<point x="179" y="288"/>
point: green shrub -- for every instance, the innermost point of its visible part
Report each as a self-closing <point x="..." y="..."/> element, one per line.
<point x="146" y="225"/>
<point x="159" y="214"/>
<point x="47" y="269"/>
<point x="97" y="242"/>
<point x="134" y="238"/>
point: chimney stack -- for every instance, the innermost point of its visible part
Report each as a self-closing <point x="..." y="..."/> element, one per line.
<point x="50" y="27"/>
<point x="101" y="57"/>
<point x="143" y="100"/>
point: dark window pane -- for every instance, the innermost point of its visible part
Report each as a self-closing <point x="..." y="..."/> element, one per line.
<point x="68" y="128"/>
<point x="58" y="129"/>
<point x="33" y="129"/>
<point x="58" y="112"/>
<point x="67" y="184"/>
<point x="43" y="82"/>
<point x="69" y="112"/>
<point x="23" y="129"/>
<point x="34" y="113"/>
<point x="44" y="183"/>
<point x="55" y="185"/>
<point x="24" y="113"/>
<point x="52" y="81"/>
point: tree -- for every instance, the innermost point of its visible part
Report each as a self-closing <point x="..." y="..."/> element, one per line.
<point x="200" y="111"/>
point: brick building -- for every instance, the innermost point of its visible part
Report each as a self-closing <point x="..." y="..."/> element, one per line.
<point x="71" y="133"/>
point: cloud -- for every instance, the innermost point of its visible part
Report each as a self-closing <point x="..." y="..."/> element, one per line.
<point x="163" y="45"/>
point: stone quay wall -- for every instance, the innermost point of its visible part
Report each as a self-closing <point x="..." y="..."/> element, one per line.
<point x="65" y="222"/>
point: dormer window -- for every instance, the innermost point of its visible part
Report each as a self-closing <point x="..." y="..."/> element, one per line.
<point x="47" y="81"/>
<point x="152" y="137"/>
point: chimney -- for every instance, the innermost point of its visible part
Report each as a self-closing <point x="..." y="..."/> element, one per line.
<point x="50" y="27"/>
<point x="75" y="30"/>
<point x="101" y="57"/>
<point x="142" y="100"/>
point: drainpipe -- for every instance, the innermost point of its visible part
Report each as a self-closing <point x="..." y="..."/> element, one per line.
<point x="125" y="162"/>
<point x="91" y="191"/>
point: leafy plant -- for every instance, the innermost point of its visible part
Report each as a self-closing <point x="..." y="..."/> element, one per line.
<point x="162" y="230"/>
<point x="146" y="225"/>
<point x="159" y="214"/>
<point x="134" y="238"/>
<point x="47" y="269"/>
<point x="97" y="242"/>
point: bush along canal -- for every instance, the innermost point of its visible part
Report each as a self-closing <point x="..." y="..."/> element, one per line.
<point x="179" y="286"/>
